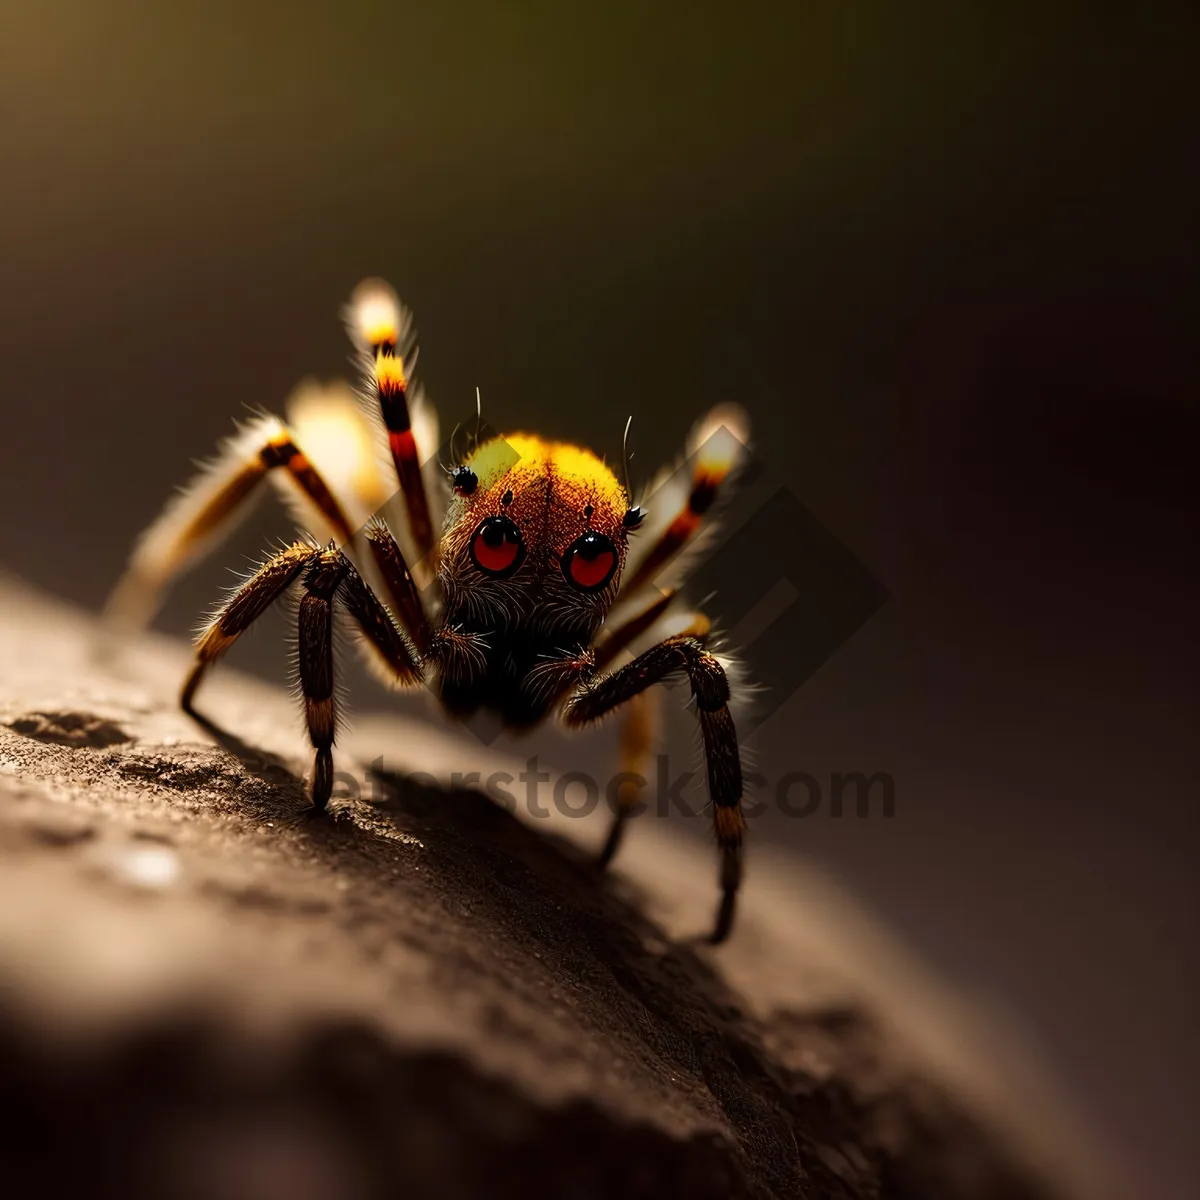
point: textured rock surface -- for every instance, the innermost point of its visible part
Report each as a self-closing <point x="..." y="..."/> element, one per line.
<point x="206" y="993"/>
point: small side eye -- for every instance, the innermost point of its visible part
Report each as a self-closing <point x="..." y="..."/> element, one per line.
<point x="465" y="480"/>
<point x="634" y="517"/>
<point x="497" y="548"/>
<point x="590" y="562"/>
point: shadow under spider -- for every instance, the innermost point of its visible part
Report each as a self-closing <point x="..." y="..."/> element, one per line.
<point x="476" y="842"/>
<point x="262" y="764"/>
<point x="475" y="839"/>
<point x="548" y="919"/>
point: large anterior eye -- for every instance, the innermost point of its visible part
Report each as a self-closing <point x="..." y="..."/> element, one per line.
<point x="497" y="548"/>
<point x="589" y="562"/>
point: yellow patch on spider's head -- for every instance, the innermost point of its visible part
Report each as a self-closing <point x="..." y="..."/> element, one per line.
<point x="553" y="490"/>
<point x="580" y="475"/>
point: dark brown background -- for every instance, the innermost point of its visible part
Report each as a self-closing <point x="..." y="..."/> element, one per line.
<point x="949" y="264"/>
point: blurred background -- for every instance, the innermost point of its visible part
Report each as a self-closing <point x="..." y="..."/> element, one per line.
<point x="947" y="261"/>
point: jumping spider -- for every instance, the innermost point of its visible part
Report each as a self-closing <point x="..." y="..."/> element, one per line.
<point x="506" y="610"/>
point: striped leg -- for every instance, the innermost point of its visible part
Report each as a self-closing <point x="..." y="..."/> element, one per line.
<point x="242" y="609"/>
<point x="710" y="689"/>
<point x="314" y="636"/>
<point x="194" y="521"/>
<point x="681" y="498"/>
<point x="626" y="632"/>
<point x="397" y="578"/>
<point x="381" y="327"/>
<point x="396" y="658"/>
<point x="639" y="733"/>
<point x="328" y="576"/>
<point x="640" y="730"/>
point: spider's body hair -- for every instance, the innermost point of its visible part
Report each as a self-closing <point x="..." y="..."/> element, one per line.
<point x="506" y="610"/>
<point x="555" y="493"/>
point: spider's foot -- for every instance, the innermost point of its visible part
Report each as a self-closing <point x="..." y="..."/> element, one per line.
<point x="724" y="923"/>
<point x="616" y="833"/>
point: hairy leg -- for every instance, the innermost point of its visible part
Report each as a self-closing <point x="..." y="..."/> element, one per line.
<point x="710" y="689"/>
<point x="208" y="508"/>
<point x="328" y="577"/>
<point x="243" y="608"/>
<point x="382" y="329"/>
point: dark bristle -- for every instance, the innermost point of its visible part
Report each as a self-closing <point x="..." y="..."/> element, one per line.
<point x="465" y="480"/>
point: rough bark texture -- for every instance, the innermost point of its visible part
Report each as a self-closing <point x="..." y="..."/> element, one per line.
<point x="206" y="993"/>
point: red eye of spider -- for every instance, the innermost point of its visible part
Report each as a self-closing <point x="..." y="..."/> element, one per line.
<point x="497" y="548"/>
<point x="590" y="562"/>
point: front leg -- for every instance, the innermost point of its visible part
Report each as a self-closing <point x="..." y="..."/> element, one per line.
<point x="328" y="576"/>
<point x="314" y="636"/>
<point x="710" y="689"/>
<point x="332" y="576"/>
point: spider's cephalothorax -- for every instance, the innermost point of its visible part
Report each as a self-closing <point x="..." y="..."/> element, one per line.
<point x="546" y="601"/>
<point x="529" y="564"/>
